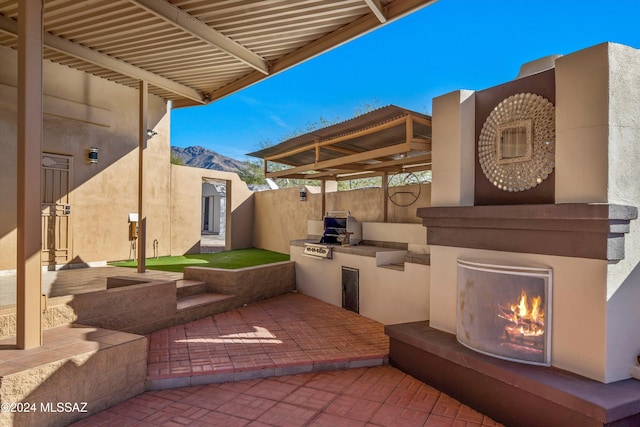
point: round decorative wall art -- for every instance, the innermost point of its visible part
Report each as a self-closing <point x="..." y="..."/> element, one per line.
<point x="516" y="147"/>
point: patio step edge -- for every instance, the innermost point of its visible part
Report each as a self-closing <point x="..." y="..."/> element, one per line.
<point x="235" y="375"/>
<point x="188" y="302"/>
<point x="185" y="287"/>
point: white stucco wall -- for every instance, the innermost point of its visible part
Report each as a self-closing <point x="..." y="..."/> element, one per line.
<point x="414" y="234"/>
<point x="598" y="108"/>
<point x="387" y="296"/>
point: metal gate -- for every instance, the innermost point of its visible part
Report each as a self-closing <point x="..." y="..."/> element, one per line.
<point x="56" y="209"/>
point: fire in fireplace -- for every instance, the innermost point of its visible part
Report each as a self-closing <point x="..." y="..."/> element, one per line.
<point x="525" y="321"/>
<point x="504" y="311"/>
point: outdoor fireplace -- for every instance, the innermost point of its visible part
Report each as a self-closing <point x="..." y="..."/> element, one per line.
<point x="578" y="222"/>
<point x="505" y="311"/>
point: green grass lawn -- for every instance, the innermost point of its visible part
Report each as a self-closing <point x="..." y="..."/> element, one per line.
<point x="228" y="259"/>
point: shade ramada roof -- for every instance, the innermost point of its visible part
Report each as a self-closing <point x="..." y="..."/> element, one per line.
<point x="390" y="139"/>
<point x="193" y="52"/>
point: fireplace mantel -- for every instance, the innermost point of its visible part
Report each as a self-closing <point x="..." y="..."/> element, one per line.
<point x="580" y="230"/>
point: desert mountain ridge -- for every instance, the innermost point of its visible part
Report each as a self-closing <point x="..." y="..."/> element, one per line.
<point x="201" y="157"/>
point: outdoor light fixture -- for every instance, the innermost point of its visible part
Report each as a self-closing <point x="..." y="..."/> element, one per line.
<point x="303" y="194"/>
<point x="92" y="155"/>
<point x="151" y="133"/>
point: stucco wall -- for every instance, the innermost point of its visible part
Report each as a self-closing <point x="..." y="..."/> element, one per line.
<point x="186" y="209"/>
<point x="453" y="149"/>
<point x="280" y="216"/>
<point x="82" y="111"/>
<point x="599" y="126"/>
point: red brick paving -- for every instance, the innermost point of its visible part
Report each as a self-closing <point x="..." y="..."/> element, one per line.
<point x="288" y="332"/>
<point x="297" y="400"/>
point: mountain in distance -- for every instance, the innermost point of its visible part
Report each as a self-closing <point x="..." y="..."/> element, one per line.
<point x="201" y="157"/>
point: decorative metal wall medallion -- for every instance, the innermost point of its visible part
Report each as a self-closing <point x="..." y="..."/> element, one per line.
<point x="516" y="147"/>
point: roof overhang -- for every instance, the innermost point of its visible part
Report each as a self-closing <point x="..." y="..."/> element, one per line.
<point x="195" y="52"/>
<point x="387" y="140"/>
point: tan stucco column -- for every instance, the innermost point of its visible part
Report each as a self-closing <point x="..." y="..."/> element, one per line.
<point x="29" y="270"/>
<point x="453" y="148"/>
<point x="142" y="143"/>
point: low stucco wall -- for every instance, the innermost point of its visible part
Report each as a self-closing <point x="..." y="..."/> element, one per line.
<point x="110" y="367"/>
<point x="247" y="284"/>
<point x="140" y="308"/>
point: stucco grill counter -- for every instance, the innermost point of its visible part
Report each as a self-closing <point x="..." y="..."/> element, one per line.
<point x="387" y="281"/>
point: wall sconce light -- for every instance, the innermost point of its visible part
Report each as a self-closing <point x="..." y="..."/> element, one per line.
<point x="151" y="133"/>
<point x="303" y="194"/>
<point x="92" y="155"/>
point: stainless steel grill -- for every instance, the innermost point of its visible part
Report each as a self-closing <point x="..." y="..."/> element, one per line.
<point x="341" y="228"/>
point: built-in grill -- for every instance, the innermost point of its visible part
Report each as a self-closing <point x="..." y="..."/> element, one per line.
<point x="340" y="228"/>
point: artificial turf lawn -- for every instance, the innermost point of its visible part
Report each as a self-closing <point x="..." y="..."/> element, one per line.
<point x="228" y="259"/>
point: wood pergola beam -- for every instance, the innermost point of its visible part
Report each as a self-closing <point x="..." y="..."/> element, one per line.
<point x="353" y="158"/>
<point x="339" y="149"/>
<point x="396" y="165"/>
<point x="406" y="162"/>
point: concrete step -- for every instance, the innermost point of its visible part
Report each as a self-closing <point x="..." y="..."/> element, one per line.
<point x="194" y="301"/>
<point x="185" y="288"/>
<point x="194" y="307"/>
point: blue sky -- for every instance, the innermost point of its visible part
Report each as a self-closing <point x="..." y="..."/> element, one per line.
<point x="453" y="44"/>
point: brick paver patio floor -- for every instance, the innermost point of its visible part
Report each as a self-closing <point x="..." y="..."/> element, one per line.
<point x="281" y="362"/>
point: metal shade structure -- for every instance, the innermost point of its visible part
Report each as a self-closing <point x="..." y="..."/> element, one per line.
<point x="387" y="140"/>
<point x="189" y="52"/>
<point x="193" y="52"/>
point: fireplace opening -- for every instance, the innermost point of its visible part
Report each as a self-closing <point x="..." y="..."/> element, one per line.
<point x="505" y="311"/>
